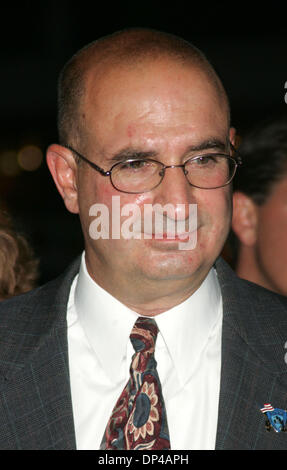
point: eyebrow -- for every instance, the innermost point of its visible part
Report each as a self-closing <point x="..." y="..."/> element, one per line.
<point x="132" y="153"/>
<point x="135" y="153"/>
<point x="208" y="145"/>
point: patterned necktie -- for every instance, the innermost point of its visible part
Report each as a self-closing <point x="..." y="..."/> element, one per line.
<point x="138" y="420"/>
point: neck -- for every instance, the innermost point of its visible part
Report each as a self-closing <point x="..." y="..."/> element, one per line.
<point x="147" y="297"/>
<point x="159" y="303"/>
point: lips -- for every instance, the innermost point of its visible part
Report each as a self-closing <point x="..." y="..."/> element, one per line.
<point x="179" y="237"/>
<point x="170" y="236"/>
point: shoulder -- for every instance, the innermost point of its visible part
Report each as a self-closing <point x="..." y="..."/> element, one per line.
<point x="258" y="315"/>
<point x="51" y="297"/>
<point x="240" y="291"/>
<point x="34" y="323"/>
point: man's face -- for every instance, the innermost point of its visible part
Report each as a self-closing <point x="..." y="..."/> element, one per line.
<point x="162" y="109"/>
<point x="270" y="248"/>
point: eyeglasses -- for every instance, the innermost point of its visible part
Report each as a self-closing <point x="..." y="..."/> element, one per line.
<point x="139" y="175"/>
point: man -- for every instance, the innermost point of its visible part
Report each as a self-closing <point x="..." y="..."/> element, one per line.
<point x="259" y="218"/>
<point x="144" y="117"/>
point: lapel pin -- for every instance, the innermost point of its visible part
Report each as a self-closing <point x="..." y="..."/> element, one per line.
<point x="275" y="418"/>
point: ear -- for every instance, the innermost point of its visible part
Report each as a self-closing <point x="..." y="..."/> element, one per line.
<point x="63" y="168"/>
<point x="232" y="136"/>
<point x="245" y="218"/>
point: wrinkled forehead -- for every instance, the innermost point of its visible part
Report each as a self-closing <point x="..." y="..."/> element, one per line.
<point x="163" y="85"/>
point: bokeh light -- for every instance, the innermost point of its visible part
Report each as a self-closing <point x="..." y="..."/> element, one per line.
<point x="9" y="164"/>
<point x="30" y="157"/>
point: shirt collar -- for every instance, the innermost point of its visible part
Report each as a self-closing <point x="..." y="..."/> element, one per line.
<point x="107" y="323"/>
<point x="187" y="327"/>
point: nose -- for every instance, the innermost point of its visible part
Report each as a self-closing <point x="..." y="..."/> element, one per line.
<point x="175" y="193"/>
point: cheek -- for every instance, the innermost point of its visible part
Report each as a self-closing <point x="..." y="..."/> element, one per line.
<point x="271" y="249"/>
<point x="92" y="190"/>
<point x="215" y="210"/>
<point x="272" y="233"/>
<point x="104" y="197"/>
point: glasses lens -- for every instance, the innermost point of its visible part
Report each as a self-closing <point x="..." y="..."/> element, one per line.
<point x="136" y="176"/>
<point x="210" y="171"/>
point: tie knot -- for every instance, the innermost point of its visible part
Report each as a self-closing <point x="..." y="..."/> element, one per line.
<point x="144" y="334"/>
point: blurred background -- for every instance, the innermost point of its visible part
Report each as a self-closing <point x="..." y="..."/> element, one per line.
<point x="246" y="43"/>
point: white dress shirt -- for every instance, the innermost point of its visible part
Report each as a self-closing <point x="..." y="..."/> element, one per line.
<point x="188" y="354"/>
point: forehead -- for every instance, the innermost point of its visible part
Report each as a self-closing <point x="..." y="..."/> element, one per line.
<point x="152" y="98"/>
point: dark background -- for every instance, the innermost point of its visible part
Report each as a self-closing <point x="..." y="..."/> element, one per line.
<point x="246" y="42"/>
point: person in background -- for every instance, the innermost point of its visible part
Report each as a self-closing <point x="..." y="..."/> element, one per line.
<point x="18" y="265"/>
<point x="259" y="224"/>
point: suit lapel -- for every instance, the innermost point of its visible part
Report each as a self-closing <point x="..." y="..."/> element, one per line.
<point x="35" y="397"/>
<point x="253" y="370"/>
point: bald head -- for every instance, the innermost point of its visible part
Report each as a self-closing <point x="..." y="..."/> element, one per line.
<point x="122" y="49"/>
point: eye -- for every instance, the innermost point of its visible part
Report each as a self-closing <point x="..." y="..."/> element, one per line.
<point x="203" y="161"/>
<point x="134" y="165"/>
<point x="206" y="160"/>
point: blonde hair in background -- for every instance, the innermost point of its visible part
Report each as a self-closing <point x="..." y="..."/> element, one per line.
<point x="18" y="266"/>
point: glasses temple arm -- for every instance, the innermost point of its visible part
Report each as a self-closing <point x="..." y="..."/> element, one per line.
<point x="92" y="164"/>
<point x="238" y="155"/>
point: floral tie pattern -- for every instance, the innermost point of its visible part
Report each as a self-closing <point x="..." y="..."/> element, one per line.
<point x="138" y="420"/>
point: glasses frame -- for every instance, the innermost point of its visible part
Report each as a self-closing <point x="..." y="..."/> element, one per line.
<point x="237" y="160"/>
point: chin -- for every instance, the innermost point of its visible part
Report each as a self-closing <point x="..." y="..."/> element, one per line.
<point x="171" y="267"/>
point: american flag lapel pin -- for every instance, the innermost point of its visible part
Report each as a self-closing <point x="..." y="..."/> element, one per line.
<point x="275" y="418"/>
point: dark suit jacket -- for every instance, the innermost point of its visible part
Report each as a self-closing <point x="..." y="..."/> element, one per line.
<point x="35" y="398"/>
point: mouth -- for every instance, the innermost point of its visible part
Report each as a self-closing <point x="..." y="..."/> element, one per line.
<point x="179" y="241"/>
<point x="168" y="237"/>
